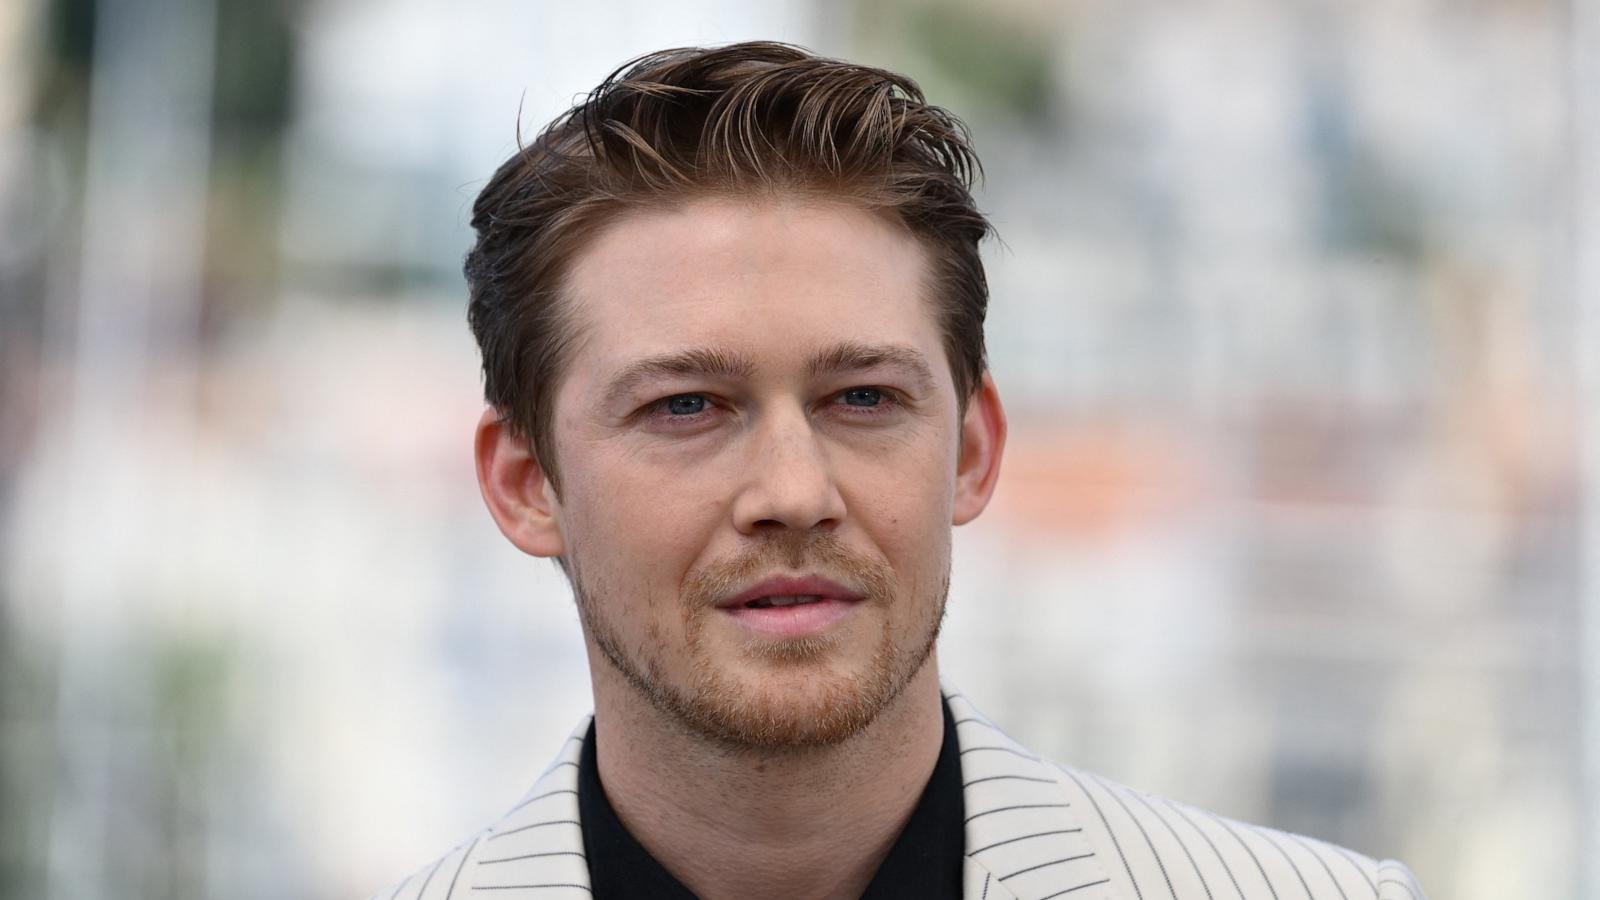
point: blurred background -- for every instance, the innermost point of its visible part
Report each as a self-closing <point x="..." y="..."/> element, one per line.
<point x="1294" y="314"/>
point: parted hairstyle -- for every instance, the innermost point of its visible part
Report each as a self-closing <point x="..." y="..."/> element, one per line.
<point x="752" y="119"/>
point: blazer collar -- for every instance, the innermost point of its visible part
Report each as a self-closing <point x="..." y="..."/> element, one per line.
<point x="535" y="852"/>
<point x="1024" y="838"/>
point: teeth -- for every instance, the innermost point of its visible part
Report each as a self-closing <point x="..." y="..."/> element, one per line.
<point x="794" y="600"/>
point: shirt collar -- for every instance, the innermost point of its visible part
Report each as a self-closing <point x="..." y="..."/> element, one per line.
<point x="925" y="861"/>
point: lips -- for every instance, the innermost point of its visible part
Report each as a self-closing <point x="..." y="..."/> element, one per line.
<point x="785" y="591"/>
<point x="788" y="608"/>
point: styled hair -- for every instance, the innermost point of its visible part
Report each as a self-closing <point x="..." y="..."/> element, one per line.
<point x="756" y="118"/>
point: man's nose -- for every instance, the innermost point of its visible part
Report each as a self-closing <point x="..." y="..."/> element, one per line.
<point x="788" y="481"/>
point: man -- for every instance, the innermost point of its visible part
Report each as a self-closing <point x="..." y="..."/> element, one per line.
<point x="731" y="313"/>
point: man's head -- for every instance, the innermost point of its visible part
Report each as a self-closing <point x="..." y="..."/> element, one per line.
<point x="751" y="120"/>
<point x="736" y="297"/>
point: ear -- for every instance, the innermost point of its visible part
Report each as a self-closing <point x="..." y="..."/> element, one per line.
<point x="983" y="440"/>
<point x="514" y="485"/>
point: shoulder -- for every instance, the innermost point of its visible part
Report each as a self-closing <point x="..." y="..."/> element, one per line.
<point x="1036" y="824"/>
<point x="438" y="879"/>
<point x="1174" y="847"/>
<point x="534" y="850"/>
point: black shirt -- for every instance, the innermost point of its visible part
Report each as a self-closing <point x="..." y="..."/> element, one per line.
<point x="925" y="862"/>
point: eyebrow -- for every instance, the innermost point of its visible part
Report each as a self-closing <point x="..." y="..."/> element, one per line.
<point x="694" y="361"/>
<point x="853" y="356"/>
<point x="850" y="356"/>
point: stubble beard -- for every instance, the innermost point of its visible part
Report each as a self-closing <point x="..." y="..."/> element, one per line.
<point x="714" y="705"/>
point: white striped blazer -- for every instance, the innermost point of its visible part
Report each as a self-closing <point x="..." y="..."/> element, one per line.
<point x="1035" y="830"/>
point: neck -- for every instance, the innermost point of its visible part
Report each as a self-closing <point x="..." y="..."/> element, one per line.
<point x="753" y="824"/>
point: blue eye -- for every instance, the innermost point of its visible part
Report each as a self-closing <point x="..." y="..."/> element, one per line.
<point x="863" y="397"/>
<point x="685" y="404"/>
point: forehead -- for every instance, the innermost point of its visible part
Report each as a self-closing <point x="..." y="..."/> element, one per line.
<point x="773" y="280"/>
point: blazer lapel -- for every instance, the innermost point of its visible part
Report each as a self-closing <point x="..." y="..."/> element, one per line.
<point x="535" y="852"/>
<point x="978" y="883"/>
<point x="1023" y="836"/>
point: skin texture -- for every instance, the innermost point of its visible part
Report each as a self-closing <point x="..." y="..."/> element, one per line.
<point x="737" y="758"/>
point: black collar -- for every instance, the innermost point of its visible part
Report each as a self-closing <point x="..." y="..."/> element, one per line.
<point x="924" y="863"/>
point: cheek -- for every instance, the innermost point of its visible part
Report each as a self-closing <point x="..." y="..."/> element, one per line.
<point x="651" y="523"/>
<point x="907" y="514"/>
<point x="915" y="488"/>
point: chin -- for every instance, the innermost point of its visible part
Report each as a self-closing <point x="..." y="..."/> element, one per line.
<point x="791" y="695"/>
<point x="789" y="704"/>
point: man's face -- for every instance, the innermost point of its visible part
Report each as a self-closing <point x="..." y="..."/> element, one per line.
<point x="759" y="411"/>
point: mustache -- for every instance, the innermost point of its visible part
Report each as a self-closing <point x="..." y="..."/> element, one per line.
<point x="814" y="553"/>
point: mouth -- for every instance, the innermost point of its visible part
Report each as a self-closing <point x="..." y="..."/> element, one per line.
<point x="782" y="601"/>
<point x="779" y="591"/>
<point x="787" y="608"/>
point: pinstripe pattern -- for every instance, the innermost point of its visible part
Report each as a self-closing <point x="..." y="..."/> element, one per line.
<point x="1068" y="833"/>
<point x="1035" y="830"/>
<point x="535" y="851"/>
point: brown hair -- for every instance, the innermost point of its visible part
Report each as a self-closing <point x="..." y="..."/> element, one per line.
<point x="751" y="118"/>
